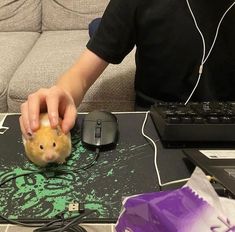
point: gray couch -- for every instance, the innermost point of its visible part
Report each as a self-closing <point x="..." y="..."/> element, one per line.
<point x="40" y="39"/>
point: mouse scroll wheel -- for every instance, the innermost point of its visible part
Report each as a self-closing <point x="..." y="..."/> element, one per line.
<point x="98" y="129"/>
<point x="98" y="132"/>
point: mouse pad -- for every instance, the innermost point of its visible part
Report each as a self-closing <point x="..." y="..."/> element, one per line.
<point x="126" y="170"/>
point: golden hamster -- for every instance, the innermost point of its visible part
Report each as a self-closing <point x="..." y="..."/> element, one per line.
<point x="47" y="145"/>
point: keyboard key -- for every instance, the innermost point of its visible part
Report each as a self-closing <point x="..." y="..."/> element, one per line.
<point x="186" y="120"/>
<point x="173" y="120"/>
<point x="226" y="120"/>
<point x="198" y="120"/>
<point x="213" y="120"/>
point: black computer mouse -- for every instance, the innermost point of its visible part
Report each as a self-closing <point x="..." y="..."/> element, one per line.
<point x="99" y="129"/>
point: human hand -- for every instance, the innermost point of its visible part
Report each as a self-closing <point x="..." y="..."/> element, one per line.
<point x="56" y="101"/>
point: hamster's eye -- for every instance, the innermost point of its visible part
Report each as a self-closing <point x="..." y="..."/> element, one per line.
<point x="41" y="147"/>
<point x="54" y="144"/>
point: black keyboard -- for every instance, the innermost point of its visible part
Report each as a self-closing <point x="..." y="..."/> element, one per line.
<point x="196" y="124"/>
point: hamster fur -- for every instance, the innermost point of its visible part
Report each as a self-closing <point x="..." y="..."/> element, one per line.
<point x="48" y="145"/>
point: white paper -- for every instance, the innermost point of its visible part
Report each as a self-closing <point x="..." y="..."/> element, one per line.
<point x="219" y="154"/>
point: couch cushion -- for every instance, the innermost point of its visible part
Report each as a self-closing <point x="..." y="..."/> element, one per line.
<point x="114" y="89"/>
<point x="20" y="15"/>
<point x="70" y="14"/>
<point x="14" y="46"/>
<point x="56" y="51"/>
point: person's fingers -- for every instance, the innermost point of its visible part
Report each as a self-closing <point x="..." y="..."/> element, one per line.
<point x="24" y="120"/>
<point x="56" y="101"/>
<point x="53" y="101"/>
<point x="25" y="134"/>
<point x="70" y="115"/>
<point x="34" y="106"/>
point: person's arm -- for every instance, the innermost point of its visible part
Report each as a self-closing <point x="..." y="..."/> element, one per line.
<point x="63" y="98"/>
<point x="78" y="79"/>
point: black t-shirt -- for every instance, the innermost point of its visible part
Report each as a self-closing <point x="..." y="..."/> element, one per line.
<point x="169" y="47"/>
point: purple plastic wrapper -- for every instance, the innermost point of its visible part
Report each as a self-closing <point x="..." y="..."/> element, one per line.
<point x="170" y="211"/>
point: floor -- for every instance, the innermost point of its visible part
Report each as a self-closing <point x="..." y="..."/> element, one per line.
<point x="88" y="227"/>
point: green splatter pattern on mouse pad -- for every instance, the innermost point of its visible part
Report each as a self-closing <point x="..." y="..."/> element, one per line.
<point x="118" y="173"/>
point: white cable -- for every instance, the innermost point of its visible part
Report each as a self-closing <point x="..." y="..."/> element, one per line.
<point x="3" y="129"/>
<point x="204" y="59"/>
<point x="155" y="157"/>
<point x="200" y="32"/>
<point x="198" y="80"/>
<point x="217" y="31"/>
<point x="8" y="225"/>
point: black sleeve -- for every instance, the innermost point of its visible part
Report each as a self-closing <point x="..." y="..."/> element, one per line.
<point x="115" y="36"/>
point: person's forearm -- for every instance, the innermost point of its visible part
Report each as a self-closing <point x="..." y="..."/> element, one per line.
<point x="78" y="79"/>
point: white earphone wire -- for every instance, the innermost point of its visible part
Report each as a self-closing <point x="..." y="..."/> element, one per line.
<point x="204" y="56"/>
<point x="155" y="157"/>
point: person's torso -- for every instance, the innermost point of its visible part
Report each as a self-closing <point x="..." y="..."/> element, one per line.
<point x="169" y="50"/>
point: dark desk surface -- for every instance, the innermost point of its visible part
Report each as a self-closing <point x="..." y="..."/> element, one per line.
<point x="127" y="170"/>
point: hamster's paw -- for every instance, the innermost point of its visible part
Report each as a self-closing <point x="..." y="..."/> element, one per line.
<point x="61" y="160"/>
